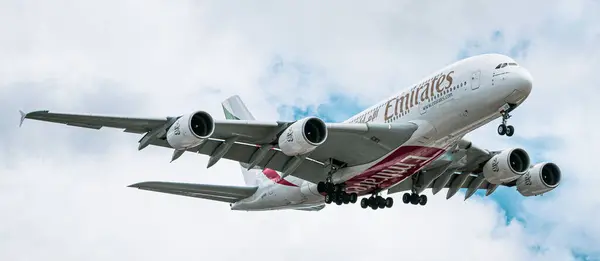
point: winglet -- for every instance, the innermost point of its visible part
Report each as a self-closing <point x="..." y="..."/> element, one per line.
<point x="23" y="114"/>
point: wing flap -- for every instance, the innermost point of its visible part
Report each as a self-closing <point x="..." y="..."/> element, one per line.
<point x="222" y="193"/>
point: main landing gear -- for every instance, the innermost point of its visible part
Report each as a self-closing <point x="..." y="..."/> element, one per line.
<point x="376" y="201"/>
<point x="335" y="193"/>
<point x="414" y="198"/>
<point x="504" y="129"/>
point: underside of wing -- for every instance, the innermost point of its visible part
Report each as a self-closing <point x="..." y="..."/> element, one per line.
<point x="229" y="194"/>
<point x="255" y="143"/>
<point x="453" y="182"/>
<point x="347" y="145"/>
<point x="461" y="168"/>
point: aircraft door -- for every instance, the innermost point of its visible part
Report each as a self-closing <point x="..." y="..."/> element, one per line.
<point x="475" y="80"/>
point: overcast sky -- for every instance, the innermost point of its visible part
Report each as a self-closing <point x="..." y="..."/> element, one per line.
<point x="63" y="193"/>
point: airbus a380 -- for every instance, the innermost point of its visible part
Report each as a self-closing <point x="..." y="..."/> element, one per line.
<point x="408" y="142"/>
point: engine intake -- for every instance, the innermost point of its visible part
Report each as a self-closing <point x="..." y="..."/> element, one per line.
<point x="541" y="178"/>
<point x="507" y="166"/>
<point x="303" y="136"/>
<point x="190" y="130"/>
<point x="202" y="124"/>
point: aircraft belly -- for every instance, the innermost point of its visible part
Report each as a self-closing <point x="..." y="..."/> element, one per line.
<point x="399" y="165"/>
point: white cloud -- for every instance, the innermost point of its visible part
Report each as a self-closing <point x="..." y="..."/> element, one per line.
<point x="70" y="202"/>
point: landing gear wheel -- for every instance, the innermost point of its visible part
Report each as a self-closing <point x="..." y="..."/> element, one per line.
<point x="330" y="187"/>
<point x="505" y="129"/>
<point x="380" y="202"/>
<point x="389" y="202"/>
<point x="321" y="187"/>
<point x="373" y="203"/>
<point x="510" y="130"/>
<point x="374" y="206"/>
<point x="502" y="129"/>
<point x="345" y="198"/>
<point x="414" y="199"/>
<point x="339" y="201"/>
<point x="364" y="203"/>
<point x="353" y="198"/>
<point x="328" y="199"/>
<point x="406" y="198"/>
<point x="422" y="200"/>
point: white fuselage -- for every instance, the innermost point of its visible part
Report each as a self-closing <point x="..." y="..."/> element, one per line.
<point x="445" y="105"/>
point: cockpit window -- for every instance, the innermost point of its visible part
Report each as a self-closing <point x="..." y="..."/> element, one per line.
<point x="502" y="65"/>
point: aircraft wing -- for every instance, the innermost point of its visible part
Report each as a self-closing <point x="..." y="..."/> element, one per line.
<point x="347" y="144"/>
<point x="461" y="169"/>
<point x="229" y="194"/>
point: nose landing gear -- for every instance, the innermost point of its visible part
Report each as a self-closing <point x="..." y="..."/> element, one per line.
<point x="504" y="129"/>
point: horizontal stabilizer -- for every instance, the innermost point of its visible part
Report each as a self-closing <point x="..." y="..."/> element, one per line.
<point x="221" y="193"/>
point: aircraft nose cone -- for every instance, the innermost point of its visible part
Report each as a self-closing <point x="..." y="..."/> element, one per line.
<point x="517" y="84"/>
<point x="523" y="81"/>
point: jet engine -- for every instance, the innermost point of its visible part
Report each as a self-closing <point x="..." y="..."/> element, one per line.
<point x="507" y="166"/>
<point x="540" y="179"/>
<point x="303" y="136"/>
<point x="190" y="130"/>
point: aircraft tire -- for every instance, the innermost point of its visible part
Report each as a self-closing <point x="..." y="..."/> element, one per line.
<point x="380" y="202"/>
<point x="414" y="199"/>
<point x="364" y="203"/>
<point x="510" y="130"/>
<point x="389" y="202"/>
<point x="345" y="198"/>
<point x="321" y="187"/>
<point x="328" y="199"/>
<point x="406" y="198"/>
<point x="353" y="198"/>
<point x="422" y="200"/>
<point x="502" y="129"/>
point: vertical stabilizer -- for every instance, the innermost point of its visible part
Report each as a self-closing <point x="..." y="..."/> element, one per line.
<point x="235" y="109"/>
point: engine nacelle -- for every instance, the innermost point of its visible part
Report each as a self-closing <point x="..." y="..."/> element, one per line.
<point x="540" y="179"/>
<point x="190" y="130"/>
<point x="507" y="166"/>
<point x="303" y="136"/>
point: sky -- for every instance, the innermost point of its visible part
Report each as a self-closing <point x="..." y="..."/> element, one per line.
<point x="63" y="190"/>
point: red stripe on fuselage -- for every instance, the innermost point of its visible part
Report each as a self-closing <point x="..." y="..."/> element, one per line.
<point x="399" y="165"/>
<point x="272" y="175"/>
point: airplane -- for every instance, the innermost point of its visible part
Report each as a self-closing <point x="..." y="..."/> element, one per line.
<point x="409" y="142"/>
